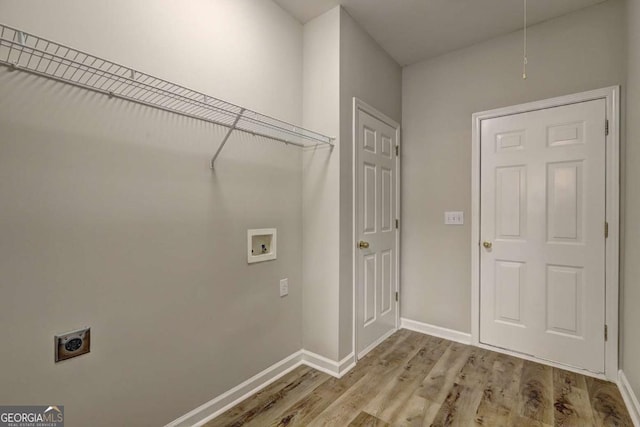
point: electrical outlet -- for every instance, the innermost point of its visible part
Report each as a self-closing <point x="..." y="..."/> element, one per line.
<point x="454" y="218"/>
<point x="284" y="287"/>
<point x="72" y="344"/>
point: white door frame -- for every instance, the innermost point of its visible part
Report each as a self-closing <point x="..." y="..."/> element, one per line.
<point x="611" y="95"/>
<point x="361" y="105"/>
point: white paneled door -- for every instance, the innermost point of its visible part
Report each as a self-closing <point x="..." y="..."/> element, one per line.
<point x="542" y="228"/>
<point x="376" y="233"/>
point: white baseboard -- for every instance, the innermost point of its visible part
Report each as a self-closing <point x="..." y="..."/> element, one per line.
<point x="208" y="411"/>
<point x="331" y="367"/>
<point x="436" y="331"/>
<point x="346" y="364"/>
<point x="630" y="398"/>
<point x="216" y="406"/>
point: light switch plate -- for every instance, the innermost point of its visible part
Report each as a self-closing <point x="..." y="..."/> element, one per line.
<point x="284" y="287"/>
<point x="454" y="218"/>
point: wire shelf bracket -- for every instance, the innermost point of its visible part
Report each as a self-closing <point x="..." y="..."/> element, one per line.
<point x="23" y="51"/>
<point x="226" y="137"/>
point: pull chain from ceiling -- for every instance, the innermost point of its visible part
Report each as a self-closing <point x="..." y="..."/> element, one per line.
<point x="524" y="54"/>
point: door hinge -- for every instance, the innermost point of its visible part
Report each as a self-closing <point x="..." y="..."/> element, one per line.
<point x="397" y="223"/>
<point x="396" y="297"/>
<point x="606" y="127"/>
<point x="606" y="333"/>
<point x="397" y="150"/>
<point x="606" y="230"/>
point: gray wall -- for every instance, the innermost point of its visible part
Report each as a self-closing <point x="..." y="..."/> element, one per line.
<point x="321" y="186"/>
<point x="111" y="218"/>
<point x="370" y="74"/>
<point x="630" y="336"/>
<point x="573" y="53"/>
<point x="340" y="61"/>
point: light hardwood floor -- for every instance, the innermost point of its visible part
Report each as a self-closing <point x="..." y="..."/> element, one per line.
<point x="413" y="379"/>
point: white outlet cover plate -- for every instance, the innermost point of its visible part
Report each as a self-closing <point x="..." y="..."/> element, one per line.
<point x="454" y="218"/>
<point x="284" y="287"/>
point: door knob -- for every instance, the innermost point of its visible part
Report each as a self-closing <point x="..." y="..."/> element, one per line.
<point x="363" y="245"/>
<point x="487" y="245"/>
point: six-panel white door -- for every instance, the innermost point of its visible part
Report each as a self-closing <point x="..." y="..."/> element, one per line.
<point x="542" y="278"/>
<point x="376" y="264"/>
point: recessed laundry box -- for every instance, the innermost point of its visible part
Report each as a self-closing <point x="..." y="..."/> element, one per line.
<point x="261" y="245"/>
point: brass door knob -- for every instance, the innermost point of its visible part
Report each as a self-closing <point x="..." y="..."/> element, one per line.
<point x="363" y="245"/>
<point x="487" y="245"/>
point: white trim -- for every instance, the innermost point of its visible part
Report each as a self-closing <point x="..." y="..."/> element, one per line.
<point x="346" y="364"/>
<point x="436" y="331"/>
<point x="398" y="201"/>
<point x="358" y="104"/>
<point x="475" y="230"/>
<point x="611" y="95"/>
<point x="613" y="242"/>
<point x="376" y="343"/>
<point x="216" y="406"/>
<point x="630" y="398"/>
<point x="328" y="366"/>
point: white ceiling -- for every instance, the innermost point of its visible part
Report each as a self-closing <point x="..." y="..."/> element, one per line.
<point x="413" y="30"/>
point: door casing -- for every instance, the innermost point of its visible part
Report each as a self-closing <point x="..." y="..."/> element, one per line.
<point x="361" y="105"/>
<point x="611" y="95"/>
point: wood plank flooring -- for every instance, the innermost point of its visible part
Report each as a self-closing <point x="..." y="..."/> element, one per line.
<point x="413" y="379"/>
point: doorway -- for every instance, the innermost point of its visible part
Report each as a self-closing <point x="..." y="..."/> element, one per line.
<point x="376" y="226"/>
<point x="545" y="231"/>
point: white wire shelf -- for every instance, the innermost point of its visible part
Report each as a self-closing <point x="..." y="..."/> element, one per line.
<point x="27" y="52"/>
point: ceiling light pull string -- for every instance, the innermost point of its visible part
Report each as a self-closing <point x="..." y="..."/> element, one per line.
<point x="524" y="54"/>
